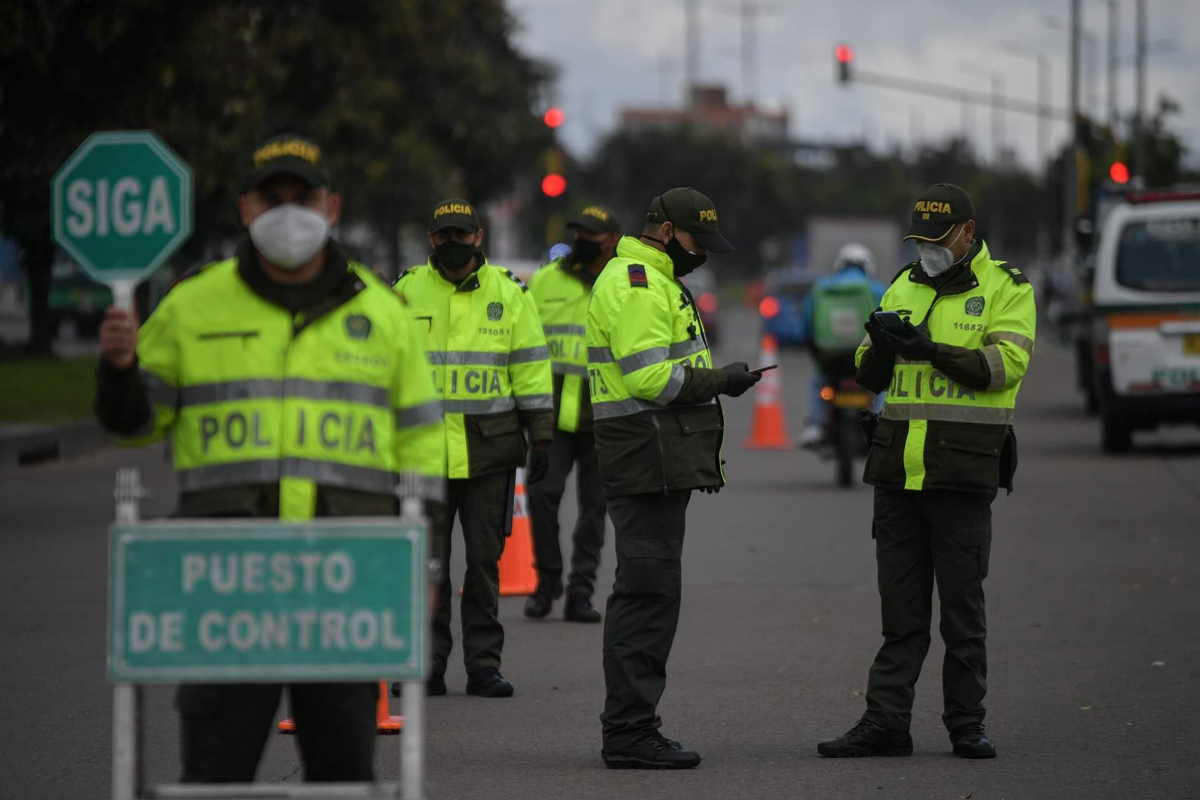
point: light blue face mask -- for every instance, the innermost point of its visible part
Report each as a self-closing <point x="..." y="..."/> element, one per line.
<point x="935" y="258"/>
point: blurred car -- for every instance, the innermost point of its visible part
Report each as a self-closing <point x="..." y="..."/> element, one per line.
<point x="1145" y="316"/>
<point x="780" y="305"/>
<point x="702" y="283"/>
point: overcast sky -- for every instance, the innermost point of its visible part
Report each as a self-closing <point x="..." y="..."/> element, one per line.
<point x="613" y="53"/>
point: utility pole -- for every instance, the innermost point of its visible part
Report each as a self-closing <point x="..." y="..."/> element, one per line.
<point x="1043" y="79"/>
<point x="692" y="44"/>
<point x="1071" y="160"/>
<point x="748" y="12"/>
<point x="997" y="119"/>
<point x="1139" y="124"/>
<point x="1112" y="66"/>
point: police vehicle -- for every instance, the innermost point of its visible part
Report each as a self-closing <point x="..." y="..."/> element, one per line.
<point x="1145" y="316"/>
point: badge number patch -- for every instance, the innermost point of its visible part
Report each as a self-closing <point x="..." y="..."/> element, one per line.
<point x="975" y="306"/>
<point x="358" y="326"/>
<point x="495" y="311"/>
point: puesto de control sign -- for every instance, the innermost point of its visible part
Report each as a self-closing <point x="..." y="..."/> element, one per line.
<point x="239" y="601"/>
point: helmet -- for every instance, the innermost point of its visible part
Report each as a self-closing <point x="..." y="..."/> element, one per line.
<point x="854" y="253"/>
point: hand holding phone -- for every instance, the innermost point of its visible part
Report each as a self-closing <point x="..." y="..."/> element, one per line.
<point x="761" y="370"/>
<point x="890" y="321"/>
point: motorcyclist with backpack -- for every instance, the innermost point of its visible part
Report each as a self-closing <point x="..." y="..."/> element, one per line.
<point x="831" y="321"/>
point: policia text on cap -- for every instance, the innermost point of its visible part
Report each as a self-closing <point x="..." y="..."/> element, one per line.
<point x="942" y="448"/>
<point x="263" y="369"/>
<point x="658" y="430"/>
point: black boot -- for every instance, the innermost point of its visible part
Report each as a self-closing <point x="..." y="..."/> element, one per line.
<point x="488" y="682"/>
<point x="539" y="603"/>
<point x="651" y="752"/>
<point x="579" y="608"/>
<point x="867" y="739"/>
<point x="971" y="742"/>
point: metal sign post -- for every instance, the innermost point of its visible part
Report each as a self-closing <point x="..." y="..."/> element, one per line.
<point x="263" y="600"/>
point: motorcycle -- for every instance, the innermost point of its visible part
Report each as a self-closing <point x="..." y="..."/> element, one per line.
<point x="844" y="441"/>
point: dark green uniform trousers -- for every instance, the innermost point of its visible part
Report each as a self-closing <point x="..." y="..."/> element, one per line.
<point x="224" y="727"/>
<point x="643" y="612"/>
<point x="484" y="507"/>
<point x="569" y="450"/>
<point x="923" y="537"/>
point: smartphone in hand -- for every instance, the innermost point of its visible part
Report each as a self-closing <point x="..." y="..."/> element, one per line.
<point x="761" y="370"/>
<point x="890" y="321"/>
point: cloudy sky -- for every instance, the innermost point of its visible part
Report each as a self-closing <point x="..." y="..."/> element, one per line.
<point x="613" y="53"/>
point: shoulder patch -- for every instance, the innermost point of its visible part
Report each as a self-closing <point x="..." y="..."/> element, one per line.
<point x="515" y="279"/>
<point x="637" y="276"/>
<point x="1013" y="272"/>
<point x="907" y="267"/>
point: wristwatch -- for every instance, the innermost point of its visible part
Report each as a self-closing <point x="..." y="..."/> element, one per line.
<point x="437" y="571"/>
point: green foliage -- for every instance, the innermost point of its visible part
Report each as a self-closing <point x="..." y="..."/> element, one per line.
<point x="50" y="389"/>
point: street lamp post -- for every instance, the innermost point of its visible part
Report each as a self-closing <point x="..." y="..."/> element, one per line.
<point x="997" y="121"/>
<point x="1043" y="93"/>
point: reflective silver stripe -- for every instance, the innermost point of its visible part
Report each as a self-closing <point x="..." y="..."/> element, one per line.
<point x="273" y="388"/>
<point x="1023" y="342"/>
<point x="559" y="368"/>
<point x="559" y="330"/>
<point x="674" y="384"/>
<point x="600" y="355"/>
<point x="902" y="360"/>
<point x="468" y="358"/>
<point x="429" y="487"/>
<point x="866" y="342"/>
<point x="493" y="406"/>
<point x="622" y="408"/>
<point x="684" y="349"/>
<point x="330" y="473"/>
<point x="528" y="354"/>
<point x="645" y="358"/>
<point x="948" y="413"/>
<point x="238" y="473"/>
<point x="423" y="414"/>
<point x="535" y="402"/>
<point x="995" y="362"/>
<point x="160" y="392"/>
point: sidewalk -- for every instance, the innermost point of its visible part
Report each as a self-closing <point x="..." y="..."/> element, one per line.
<point x="26" y="444"/>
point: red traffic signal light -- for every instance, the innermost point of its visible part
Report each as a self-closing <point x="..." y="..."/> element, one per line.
<point x="844" y="54"/>
<point x="553" y="185"/>
<point x="554" y="117"/>
<point x="1119" y="172"/>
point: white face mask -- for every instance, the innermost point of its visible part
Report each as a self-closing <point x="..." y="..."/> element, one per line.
<point x="936" y="259"/>
<point x="289" y="235"/>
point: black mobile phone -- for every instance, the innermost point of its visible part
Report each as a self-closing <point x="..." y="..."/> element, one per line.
<point x="889" y="320"/>
<point x="761" y="370"/>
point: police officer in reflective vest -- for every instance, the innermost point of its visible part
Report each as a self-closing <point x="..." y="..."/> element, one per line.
<point x="492" y="370"/>
<point x="561" y="290"/>
<point x="659" y="429"/>
<point x="293" y="385"/>
<point x="942" y="448"/>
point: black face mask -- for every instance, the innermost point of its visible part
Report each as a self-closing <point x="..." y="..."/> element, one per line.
<point x="585" y="251"/>
<point x="453" y="255"/>
<point x="684" y="260"/>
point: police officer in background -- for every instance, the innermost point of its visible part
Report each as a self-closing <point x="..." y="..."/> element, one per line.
<point x="561" y="290"/>
<point x="659" y="430"/>
<point x="942" y="448"/>
<point x="492" y="371"/>
<point x="293" y="385"/>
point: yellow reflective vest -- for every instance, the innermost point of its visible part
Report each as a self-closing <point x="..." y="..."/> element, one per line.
<point x="489" y="361"/>
<point x="561" y="295"/>
<point x="643" y="330"/>
<point x="337" y="402"/>
<point x="936" y="432"/>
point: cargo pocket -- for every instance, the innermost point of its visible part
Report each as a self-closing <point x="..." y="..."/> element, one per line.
<point x="967" y="457"/>
<point x="964" y="554"/>
<point x="648" y="566"/>
<point x="885" y="459"/>
<point x="500" y="443"/>
<point x="691" y="448"/>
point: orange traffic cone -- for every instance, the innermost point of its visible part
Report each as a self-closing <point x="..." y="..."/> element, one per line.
<point x="517" y="575"/>
<point x="770" y="432"/>
<point x="385" y="721"/>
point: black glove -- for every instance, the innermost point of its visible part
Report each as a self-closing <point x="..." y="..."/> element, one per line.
<point x="878" y="341"/>
<point x="539" y="463"/>
<point x="912" y="343"/>
<point x="710" y="489"/>
<point x="739" y="378"/>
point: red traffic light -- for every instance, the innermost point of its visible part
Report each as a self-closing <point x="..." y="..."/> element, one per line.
<point x="554" y="117"/>
<point x="553" y="185"/>
<point x="1119" y="172"/>
<point x="844" y="53"/>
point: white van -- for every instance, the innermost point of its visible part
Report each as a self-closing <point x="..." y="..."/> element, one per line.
<point x="1146" y="335"/>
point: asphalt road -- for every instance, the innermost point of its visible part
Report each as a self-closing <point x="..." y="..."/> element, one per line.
<point x="1094" y="639"/>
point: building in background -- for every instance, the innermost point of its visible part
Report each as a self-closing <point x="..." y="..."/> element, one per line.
<point x="709" y="110"/>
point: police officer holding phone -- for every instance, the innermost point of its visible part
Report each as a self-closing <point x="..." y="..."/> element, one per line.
<point x="950" y="344"/>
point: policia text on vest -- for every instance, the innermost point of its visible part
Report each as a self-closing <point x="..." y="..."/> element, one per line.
<point x="943" y="447"/>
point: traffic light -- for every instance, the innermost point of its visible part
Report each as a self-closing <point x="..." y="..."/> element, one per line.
<point x="844" y="54"/>
<point x="1119" y="172"/>
<point x="553" y="185"/>
<point x="554" y="117"/>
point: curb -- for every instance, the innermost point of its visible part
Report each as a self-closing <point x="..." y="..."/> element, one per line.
<point x="33" y="445"/>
